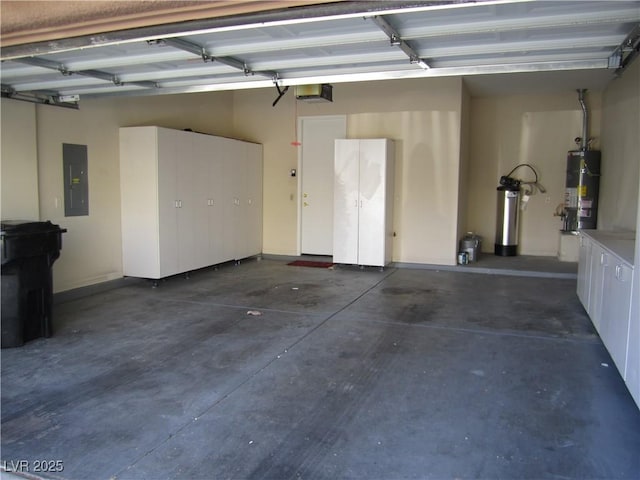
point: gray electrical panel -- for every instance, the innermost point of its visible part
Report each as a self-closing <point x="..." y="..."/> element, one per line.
<point x="76" y="180"/>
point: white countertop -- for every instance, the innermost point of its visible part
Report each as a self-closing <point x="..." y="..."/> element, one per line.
<point x="620" y="243"/>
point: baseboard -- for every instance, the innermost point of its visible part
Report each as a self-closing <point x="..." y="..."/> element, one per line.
<point x="81" y="292"/>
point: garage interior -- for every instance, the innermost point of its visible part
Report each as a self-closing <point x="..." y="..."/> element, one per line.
<point x="254" y="368"/>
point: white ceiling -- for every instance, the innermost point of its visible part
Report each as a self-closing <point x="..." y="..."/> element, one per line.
<point x="498" y="46"/>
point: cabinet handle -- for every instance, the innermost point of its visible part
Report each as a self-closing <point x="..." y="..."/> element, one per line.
<point x="176" y="203"/>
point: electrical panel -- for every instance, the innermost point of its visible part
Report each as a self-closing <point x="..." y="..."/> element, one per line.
<point x="76" y="180"/>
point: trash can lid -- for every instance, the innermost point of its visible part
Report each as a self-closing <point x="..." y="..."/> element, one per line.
<point x="27" y="227"/>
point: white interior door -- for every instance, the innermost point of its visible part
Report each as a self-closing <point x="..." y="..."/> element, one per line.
<point x="317" y="135"/>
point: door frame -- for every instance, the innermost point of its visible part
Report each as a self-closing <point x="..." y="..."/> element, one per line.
<point x="300" y="121"/>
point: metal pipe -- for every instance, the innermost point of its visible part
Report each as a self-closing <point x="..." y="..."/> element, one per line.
<point x="584" y="144"/>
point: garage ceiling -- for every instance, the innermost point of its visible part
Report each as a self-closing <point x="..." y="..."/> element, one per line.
<point x="329" y="43"/>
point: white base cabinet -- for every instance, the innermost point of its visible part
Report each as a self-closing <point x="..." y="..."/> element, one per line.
<point x="616" y="305"/>
<point x="188" y="200"/>
<point x="605" y="273"/>
<point x="363" y="201"/>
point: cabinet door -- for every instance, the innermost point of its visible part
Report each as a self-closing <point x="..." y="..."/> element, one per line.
<point x="188" y="227"/>
<point x="584" y="271"/>
<point x="168" y="201"/>
<point x="346" y="201"/>
<point x="254" y="199"/>
<point x="139" y="202"/>
<point x="208" y="206"/>
<point x="600" y="260"/>
<point x="615" y="311"/>
<point x="230" y="211"/>
<point x="241" y="201"/>
<point x="632" y="370"/>
<point x="372" y="202"/>
<point x="215" y="201"/>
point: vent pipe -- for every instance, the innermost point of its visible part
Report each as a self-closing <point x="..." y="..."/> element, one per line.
<point x="584" y="142"/>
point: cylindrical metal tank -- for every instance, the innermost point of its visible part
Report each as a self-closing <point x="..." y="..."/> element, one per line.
<point x="506" y="244"/>
<point x="581" y="192"/>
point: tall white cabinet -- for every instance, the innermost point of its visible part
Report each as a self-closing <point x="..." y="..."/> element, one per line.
<point x="363" y="201"/>
<point x="605" y="276"/>
<point x="188" y="200"/>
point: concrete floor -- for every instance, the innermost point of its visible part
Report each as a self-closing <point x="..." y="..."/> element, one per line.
<point x="345" y="373"/>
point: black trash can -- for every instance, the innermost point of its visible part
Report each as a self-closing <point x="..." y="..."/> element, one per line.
<point x="28" y="250"/>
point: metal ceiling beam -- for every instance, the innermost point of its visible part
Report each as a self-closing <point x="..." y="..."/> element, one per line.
<point x="597" y="43"/>
<point x="463" y="62"/>
<point x="44" y="63"/>
<point x="100" y="75"/>
<point x="626" y="52"/>
<point x="397" y="41"/>
<point x="327" y="77"/>
<point x="202" y="52"/>
<point x="576" y="19"/>
<point x="293" y="15"/>
<point x="43" y="98"/>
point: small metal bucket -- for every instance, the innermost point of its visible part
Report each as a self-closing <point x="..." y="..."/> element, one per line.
<point x="471" y="244"/>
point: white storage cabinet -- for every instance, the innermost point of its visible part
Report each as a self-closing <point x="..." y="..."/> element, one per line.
<point x="584" y="270"/>
<point x="616" y="304"/>
<point x="605" y="274"/>
<point x="363" y="201"/>
<point x="185" y="200"/>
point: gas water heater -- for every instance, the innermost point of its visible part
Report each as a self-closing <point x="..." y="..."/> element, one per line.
<point x="583" y="181"/>
<point x="581" y="192"/>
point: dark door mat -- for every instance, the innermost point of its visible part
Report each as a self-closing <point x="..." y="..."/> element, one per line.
<point x="309" y="263"/>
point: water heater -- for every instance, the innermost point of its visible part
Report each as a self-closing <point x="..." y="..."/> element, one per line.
<point x="581" y="190"/>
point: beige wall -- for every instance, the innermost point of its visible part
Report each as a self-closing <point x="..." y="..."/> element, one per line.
<point x="19" y="155"/>
<point x="423" y="116"/>
<point x="463" y="179"/>
<point x="620" y="152"/>
<point x="534" y="129"/>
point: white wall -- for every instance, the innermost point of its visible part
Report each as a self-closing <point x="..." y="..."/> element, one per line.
<point x="19" y="155"/>
<point x="534" y="129"/>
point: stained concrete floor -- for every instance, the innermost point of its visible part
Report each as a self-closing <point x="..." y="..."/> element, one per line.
<point x="345" y="373"/>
